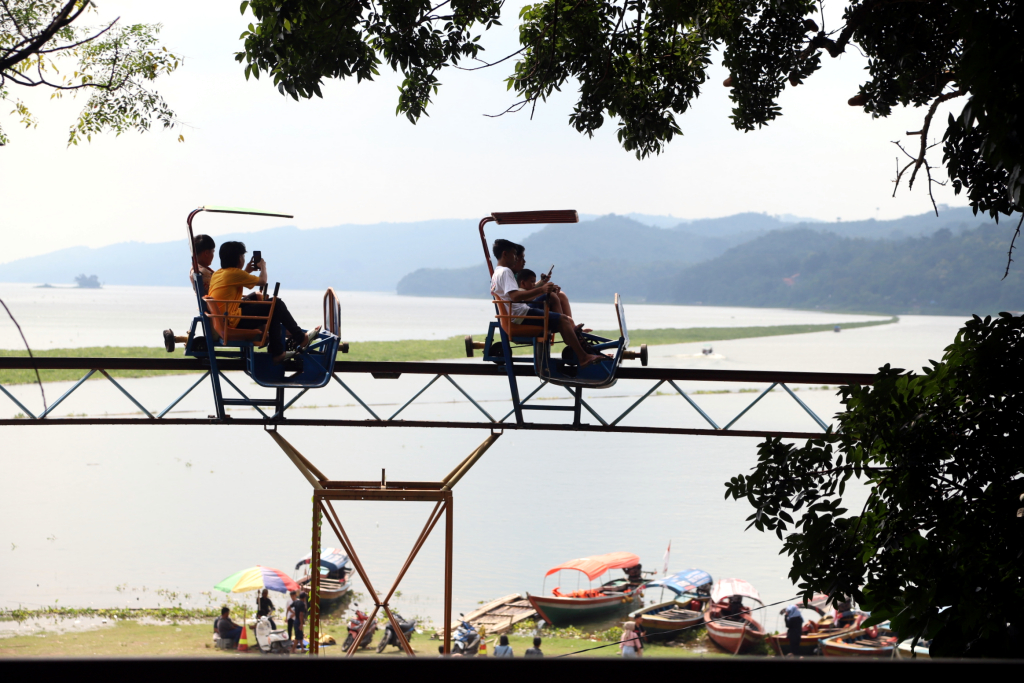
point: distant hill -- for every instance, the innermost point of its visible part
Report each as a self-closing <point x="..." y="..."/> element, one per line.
<point x="943" y="273"/>
<point x="599" y="256"/>
<point x="595" y="259"/>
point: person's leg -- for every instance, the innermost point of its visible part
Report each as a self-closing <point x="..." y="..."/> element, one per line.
<point x="235" y="633"/>
<point x="568" y="331"/>
<point x="274" y="340"/>
<point x="563" y="301"/>
<point x="283" y="316"/>
<point x="273" y="626"/>
<point x="291" y="625"/>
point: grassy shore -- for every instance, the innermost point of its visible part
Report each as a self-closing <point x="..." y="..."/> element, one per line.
<point x="137" y="639"/>
<point x="409" y="349"/>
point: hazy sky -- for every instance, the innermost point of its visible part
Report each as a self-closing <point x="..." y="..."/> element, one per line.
<point x="348" y="159"/>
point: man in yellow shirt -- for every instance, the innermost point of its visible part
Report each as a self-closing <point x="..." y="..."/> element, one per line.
<point x="228" y="283"/>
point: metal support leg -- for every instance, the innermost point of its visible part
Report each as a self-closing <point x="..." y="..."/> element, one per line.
<point x="510" y="370"/>
<point x="314" y="582"/>
<point x="448" y="534"/>
<point x="577" y="406"/>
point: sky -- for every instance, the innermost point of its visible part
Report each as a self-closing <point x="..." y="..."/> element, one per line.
<point x="348" y="159"/>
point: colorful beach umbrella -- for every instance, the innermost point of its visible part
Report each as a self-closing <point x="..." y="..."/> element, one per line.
<point x="257" y="578"/>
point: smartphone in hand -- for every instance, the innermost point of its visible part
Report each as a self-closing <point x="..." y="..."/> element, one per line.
<point x="257" y="256"/>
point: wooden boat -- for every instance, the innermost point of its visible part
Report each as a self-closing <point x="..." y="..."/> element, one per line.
<point x="814" y="632"/>
<point x="691" y="599"/>
<point x="738" y="632"/>
<point x="499" y="616"/>
<point x="664" y="620"/>
<point x="877" y="643"/>
<point x="614" y="598"/>
<point x="334" y="578"/>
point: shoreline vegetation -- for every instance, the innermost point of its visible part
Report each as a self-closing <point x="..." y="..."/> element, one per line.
<point x="408" y="349"/>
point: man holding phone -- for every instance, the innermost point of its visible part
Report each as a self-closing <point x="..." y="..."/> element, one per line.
<point x="227" y="285"/>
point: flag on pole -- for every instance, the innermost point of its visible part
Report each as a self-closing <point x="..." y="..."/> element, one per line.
<point x="668" y="551"/>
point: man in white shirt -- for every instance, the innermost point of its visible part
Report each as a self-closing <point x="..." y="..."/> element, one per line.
<point x="504" y="287"/>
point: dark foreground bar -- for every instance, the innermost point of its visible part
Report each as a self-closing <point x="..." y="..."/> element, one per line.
<point x="256" y="667"/>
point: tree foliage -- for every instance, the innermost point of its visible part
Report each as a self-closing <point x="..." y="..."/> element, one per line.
<point x="643" y="63"/>
<point x="938" y="546"/>
<point x="46" y="44"/>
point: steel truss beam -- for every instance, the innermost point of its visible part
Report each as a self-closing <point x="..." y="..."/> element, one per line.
<point x="390" y="370"/>
<point x="326" y="491"/>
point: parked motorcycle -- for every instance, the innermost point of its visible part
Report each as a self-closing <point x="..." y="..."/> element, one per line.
<point x="466" y="640"/>
<point x="354" y="625"/>
<point x="390" y="637"/>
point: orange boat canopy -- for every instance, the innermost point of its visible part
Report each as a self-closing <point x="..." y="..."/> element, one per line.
<point x="596" y="565"/>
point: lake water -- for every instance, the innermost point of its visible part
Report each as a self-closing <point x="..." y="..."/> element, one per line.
<point x="106" y="516"/>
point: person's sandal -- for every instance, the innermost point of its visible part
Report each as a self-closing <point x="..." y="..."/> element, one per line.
<point x="169" y="340"/>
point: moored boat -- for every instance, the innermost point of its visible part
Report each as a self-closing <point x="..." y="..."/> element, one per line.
<point x="728" y="619"/>
<point x="815" y="631"/>
<point x="907" y="649"/>
<point x="334" y="573"/>
<point x="876" y="642"/>
<point x="665" y="619"/>
<point x="613" y="598"/>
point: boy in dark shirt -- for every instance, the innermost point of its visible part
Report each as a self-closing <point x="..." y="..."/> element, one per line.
<point x="301" y="610"/>
<point x="535" y="650"/>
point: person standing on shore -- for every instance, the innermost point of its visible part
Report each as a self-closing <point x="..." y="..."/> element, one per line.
<point x="299" y="607"/>
<point x="630" y="645"/>
<point x="266" y="608"/>
<point x="535" y="650"/>
<point x="794" y="628"/>
<point x="503" y="649"/>
<point x="289" y="613"/>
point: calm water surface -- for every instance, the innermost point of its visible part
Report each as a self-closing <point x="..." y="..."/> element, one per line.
<point x="89" y="509"/>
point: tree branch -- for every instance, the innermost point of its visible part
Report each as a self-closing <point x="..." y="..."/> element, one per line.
<point x="63" y="18"/>
<point x="1009" y="255"/>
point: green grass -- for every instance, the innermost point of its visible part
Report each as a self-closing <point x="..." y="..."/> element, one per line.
<point x="134" y="639"/>
<point x="409" y="349"/>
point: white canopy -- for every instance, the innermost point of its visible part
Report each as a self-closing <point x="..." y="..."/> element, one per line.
<point x="729" y="587"/>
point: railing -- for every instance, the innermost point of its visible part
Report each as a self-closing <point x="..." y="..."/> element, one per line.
<point x="447" y="371"/>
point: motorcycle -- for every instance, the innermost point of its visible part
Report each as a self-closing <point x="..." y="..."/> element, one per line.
<point x="391" y="638"/>
<point x="354" y="625"/>
<point x="466" y="641"/>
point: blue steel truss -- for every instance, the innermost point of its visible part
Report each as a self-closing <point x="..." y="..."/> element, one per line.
<point x="574" y="393"/>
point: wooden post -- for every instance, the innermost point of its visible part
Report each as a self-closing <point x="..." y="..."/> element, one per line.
<point x="448" y="530"/>
<point x="314" y="582"/>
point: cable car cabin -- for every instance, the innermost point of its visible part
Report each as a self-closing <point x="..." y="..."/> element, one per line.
<point x="312" y="366"/>
<point x="562" y="369"/>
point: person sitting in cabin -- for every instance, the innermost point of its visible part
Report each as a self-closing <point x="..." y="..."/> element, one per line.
<point x="563" y="298"/>
<point x="228" y="629"/>
<point x="735" y="608"/>
<point x="845" y="615"/>
<point x="228" y="283"/>
<point x="204" y="248"/>
<point x="634" y="575"/>
<point x="505" y="287"/>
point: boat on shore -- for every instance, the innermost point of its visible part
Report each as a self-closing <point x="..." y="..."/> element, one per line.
<point x="334" y="577"/>
<point x="907" y="649"/>
<point x="613" y="598"/>
<point x="877" y="642"/>
<point x="498" y="616"/>
<point x="728" y="619"/>
<point x="691" y="598"/>
<point x="814" y="631"/>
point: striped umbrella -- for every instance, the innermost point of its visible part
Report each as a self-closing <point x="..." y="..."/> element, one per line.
<point x="257" y="578"/>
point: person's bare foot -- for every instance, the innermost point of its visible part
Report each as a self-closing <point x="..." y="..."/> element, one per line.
<point x="591" y="359"/>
